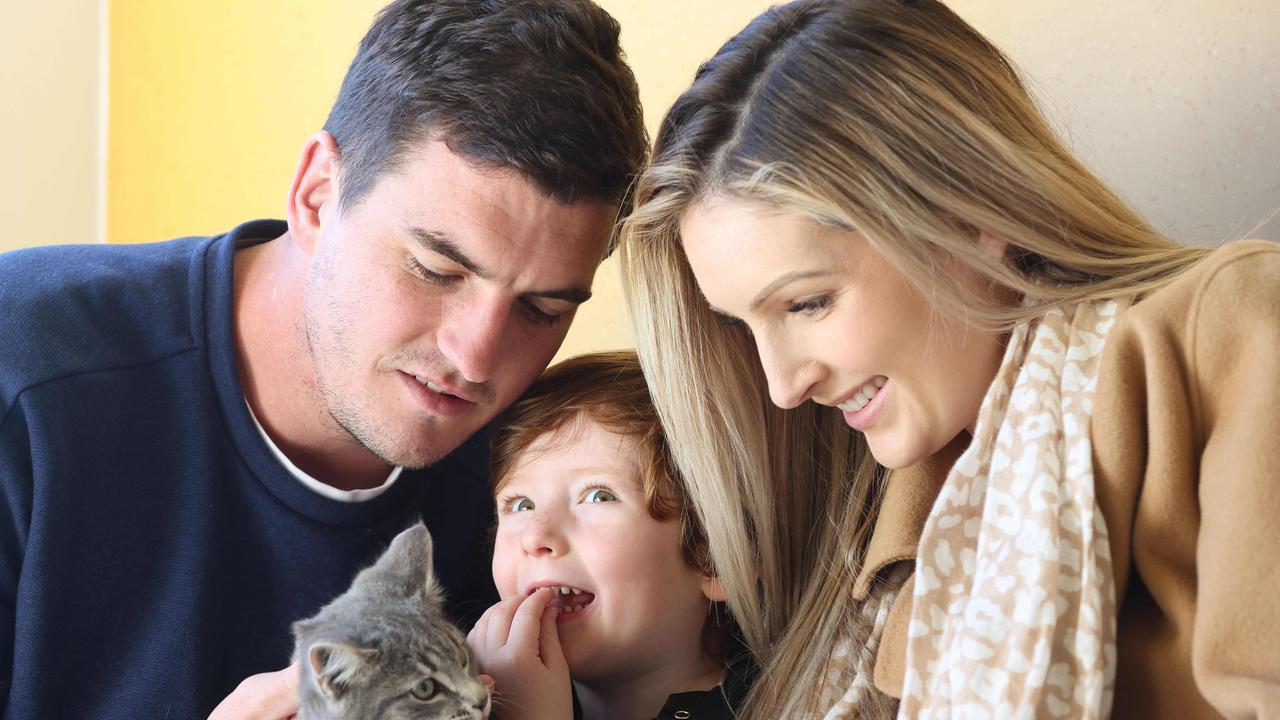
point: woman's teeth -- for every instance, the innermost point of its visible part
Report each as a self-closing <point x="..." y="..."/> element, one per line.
<point x="864" y="395"/>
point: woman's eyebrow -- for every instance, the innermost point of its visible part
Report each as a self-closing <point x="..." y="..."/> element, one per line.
<point x="782" y="281"/>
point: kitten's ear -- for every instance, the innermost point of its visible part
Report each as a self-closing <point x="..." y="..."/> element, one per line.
<point x="406" y="568"/>
<point x="423" y="568"/>
<point x="335" y="666"/>
<point x="419" y="546"/>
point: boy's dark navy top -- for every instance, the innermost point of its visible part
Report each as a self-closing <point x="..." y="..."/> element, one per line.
<point x="153" y="552"/>
<point x="721" y="702"/>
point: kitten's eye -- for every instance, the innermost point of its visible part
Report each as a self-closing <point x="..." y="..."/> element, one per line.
<point x="424" y="690"/>
<point x="599" y="495"/>
<point x="520" y="504"/>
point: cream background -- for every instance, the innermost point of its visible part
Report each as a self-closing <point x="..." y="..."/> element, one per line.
<point x="1172" y="101"/>
<point x="1176" y="103"/>
<point x="49" y="125"/>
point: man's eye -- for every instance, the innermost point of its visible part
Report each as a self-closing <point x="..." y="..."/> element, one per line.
<point x="520" y="504"/>
<point x="599" y="495"/>
<point x="540" y="316"/>
<point x="427" y="274"/>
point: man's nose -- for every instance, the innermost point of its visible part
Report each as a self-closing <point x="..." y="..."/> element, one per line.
<point x="472" y="337"/>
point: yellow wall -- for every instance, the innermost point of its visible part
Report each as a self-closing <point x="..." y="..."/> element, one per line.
<point x="211" y="103"/>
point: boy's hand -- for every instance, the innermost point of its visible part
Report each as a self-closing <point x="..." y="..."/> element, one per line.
<point x="517" y="644"/>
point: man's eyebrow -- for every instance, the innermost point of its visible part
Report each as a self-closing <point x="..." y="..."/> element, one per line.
<point x="783" y="280"/>
<point x="441" y="244"/>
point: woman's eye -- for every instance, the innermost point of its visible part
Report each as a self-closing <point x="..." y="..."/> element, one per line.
<point x="424" y="690"/>
<point x="810" y="306"/>
<point x="520" y="504"/>
<point x="599" y="495"/>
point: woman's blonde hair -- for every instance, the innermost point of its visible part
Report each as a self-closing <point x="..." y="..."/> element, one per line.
<point x="894" y="119"/>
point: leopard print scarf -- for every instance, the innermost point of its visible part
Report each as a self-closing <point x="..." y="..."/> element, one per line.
<point x="1013" y="614"/>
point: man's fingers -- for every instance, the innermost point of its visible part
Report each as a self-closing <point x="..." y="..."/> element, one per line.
<point x="527" y="622"/>
<point x="269" y="696"/>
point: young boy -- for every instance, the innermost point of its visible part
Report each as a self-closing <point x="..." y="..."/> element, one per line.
<point x="603" y="574"/>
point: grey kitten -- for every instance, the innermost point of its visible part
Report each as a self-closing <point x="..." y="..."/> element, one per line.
<point x="384" y="650"/>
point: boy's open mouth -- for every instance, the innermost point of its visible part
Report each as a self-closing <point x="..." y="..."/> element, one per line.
<point x="570" y="599"/>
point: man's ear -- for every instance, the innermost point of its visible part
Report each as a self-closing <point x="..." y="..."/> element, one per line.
<point x="315" y="185"/>
<point x="713" y="588"/>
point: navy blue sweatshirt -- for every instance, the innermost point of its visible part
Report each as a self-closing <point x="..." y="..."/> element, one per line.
<point x="153" y="553"/>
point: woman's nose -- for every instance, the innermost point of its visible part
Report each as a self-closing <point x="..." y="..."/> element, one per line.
<point x="792" y="378"/>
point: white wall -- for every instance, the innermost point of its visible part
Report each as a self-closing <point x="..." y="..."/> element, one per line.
<point x="1175" y="103"/>
<point x="49" y="128"/>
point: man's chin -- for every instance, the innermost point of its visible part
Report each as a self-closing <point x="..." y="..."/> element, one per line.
<point x="430" y="441"/>
<point x="408" y="456"/>
<point x="415" y="458"/>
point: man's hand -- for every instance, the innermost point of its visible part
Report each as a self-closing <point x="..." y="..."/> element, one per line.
<point x="518" y="645"/>
<point x="269" y="696"/>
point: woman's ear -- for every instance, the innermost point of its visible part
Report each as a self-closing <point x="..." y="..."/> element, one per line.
<point x="989" y="243"/>
<point x="712" y="588"/>
<point x="315" y="184"/>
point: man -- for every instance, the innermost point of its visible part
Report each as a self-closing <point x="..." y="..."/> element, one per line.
<point x="202" y="441"/>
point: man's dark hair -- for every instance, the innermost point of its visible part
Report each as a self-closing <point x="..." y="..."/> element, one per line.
<point x="537" y="86"/>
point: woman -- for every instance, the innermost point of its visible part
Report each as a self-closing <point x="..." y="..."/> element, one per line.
<point x="1035" y="477"/>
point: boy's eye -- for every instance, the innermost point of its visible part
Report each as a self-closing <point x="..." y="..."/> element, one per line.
<point x="520" y="504"/>
<point x="599" y="495"/>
